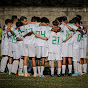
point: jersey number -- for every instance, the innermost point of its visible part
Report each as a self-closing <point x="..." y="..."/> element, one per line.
<point x="55" y="40"/>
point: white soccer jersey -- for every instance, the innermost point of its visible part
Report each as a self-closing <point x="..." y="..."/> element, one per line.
<point x="31" y="38"/>
<point x="36" y="24"/>
<point x="55" y="41"/>
<point x="10" y="35"/>
<point x="44" y="32"/>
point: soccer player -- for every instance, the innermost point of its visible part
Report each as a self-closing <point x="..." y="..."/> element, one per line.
<point x="23" y="19"/>
<point x="55" y="46"/>
<point x="4" y="45"/>
<point x="83" y="63"/>
<point x="67" y="46"/>
<point x="29" y="48"/>
<point x="16" y="50"/>
<point x="76" y="45"/>
<point x="42" y="34"/>
<point x="11" y="41"/>
<point x="36" y="21"/>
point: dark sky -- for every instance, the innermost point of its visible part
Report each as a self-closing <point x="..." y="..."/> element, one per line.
<point x="54" y="3"/>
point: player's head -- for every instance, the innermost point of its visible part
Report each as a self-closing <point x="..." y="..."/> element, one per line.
<point x="18" y="24"/>
<point x="79" y="17"/>
<point x="38" y="19"/>
<point x="23" y="19"/>
<point x="14" y="19"/>
<point x="7" y="21"/>
<point x="55" y="23"/>
<point x="33" y="19"/>
<point x="59" y="20"/>
<point x="45" y="21"/>
<point x="64" y="18"/>
<point x="76" y="21"/>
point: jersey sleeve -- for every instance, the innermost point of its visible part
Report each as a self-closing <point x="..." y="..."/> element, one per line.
<point x="22" y="28"/>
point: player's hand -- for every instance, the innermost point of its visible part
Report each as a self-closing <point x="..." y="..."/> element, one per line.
<point x="36" y="35"/>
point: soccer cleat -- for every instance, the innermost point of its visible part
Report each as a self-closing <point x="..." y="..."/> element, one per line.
<point x="9" y="73"/>
<point x="35" y="75"/>
<point x="27" y="75"/>
<point x="69" y="74"/>
<point x="76" y="74"/>
<point x="51" y="76"/>
<point x="39" y="75"/>
<point x="21" y="74"/>
<point x="63" y="75"/>
<point x="42" y="76"/>
<point x="58" y="75"/>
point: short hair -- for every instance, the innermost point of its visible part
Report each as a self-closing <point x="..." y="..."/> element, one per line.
<point x="7" y="21"/>
<point x="44" y="19"/>
<point x="22" y="18"/>
<point x="55" y="23"/>
<point x="64" y="18"/>
<point x="18" y="24"/>
<point x="79" y="16"/>
<point x="14" y="17"/>
<point x="38" y="19"/>
<point x="33" y="19"/>
<point x="76" y="20"/>
<point x="59" y="19"/>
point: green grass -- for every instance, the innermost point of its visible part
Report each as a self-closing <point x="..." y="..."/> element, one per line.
<point x="11" y="81"/>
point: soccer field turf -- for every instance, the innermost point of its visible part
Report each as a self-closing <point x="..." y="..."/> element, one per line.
<point x="11" y="81"/>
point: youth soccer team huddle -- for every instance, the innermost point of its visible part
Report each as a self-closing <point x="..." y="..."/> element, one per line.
<point x="37" y="40"/>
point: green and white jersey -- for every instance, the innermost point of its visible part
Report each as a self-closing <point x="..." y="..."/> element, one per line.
<point x="84" y="38"/>
<point x="31" y="38"/>
<point x="66" y="33"/>
<point x="44" y="32"/>
<point x="4" y="34"/>
<point x="36" y="24"/>
<point x="10" y="35"/>
<point x="55" y="41"/>
<point x="20" y="34"/>
<point x="77" y="36"/>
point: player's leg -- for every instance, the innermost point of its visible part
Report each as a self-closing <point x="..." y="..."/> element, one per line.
<point x="63" y="66"/>
<point x="29" y="65"/>
<point x="4" y="63"/>
<point x="80" y="65"/>
<point x="42" y="66"/>
<point x="34" y="67"/>
<point x="84" y="65"/>
<point x="70" y="66"/>
<point x="59" y="68"/>
<point x="52" y="68"/>
<point x="10" y="64"/>
<point x="38" y="66"/>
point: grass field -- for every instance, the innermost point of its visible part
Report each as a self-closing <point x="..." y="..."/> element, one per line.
<point x="11" y="81"/>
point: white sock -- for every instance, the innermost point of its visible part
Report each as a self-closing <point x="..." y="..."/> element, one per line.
<point x="70" y="68"/>
<point x="42" y="69"/>
<point x="39" y="72"/>
<point x="10" y="67"/>
<point x="59" y="71"/>
<point x="4" y="63"/>
<point x="35" y="70"/>
<point x="63" y="69"/>
<point x="75" y="66"/>
<point x="85" y="68"/>
<point x="50" y="65"/>
<point x="15" y="66"/>
<point x="25" y="70"/>
<point x="52" y="71"/>
<point x="80" y="65"/>
<point x="21" y="65"/>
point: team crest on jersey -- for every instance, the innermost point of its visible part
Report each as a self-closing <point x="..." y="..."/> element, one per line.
<point x="29" y="25"/>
